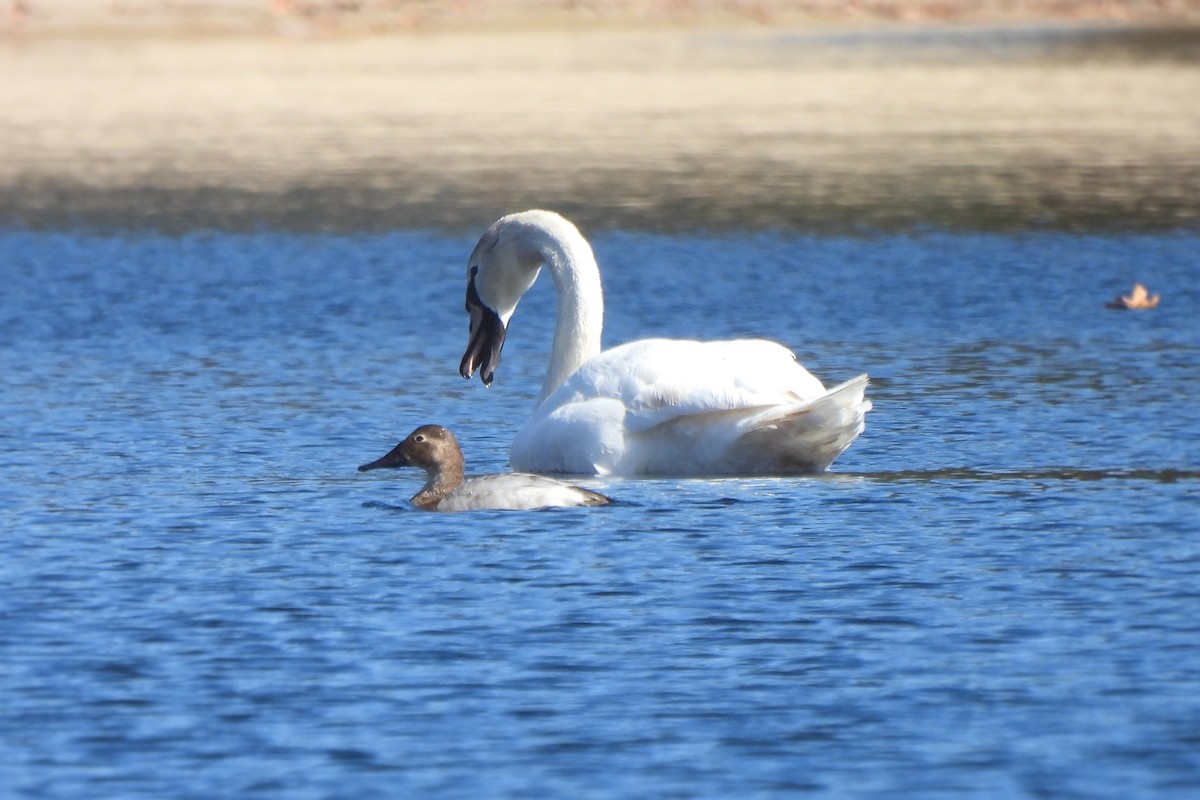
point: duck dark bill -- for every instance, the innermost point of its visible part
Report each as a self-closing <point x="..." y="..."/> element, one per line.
<point x="485" y="341"/>
<point x="395" y="458"/>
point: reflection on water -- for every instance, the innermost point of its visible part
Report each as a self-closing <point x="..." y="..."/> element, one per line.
<point x="1037" y="42"/>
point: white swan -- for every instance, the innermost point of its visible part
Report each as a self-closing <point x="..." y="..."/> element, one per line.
<point x="435" y="450"/>
<point x="650" y="407"/>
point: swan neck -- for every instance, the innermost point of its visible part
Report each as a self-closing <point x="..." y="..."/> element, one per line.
<point x="580" y="308"/>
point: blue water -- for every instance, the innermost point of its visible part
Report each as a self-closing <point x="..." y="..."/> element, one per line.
<point x="995" y="593"/>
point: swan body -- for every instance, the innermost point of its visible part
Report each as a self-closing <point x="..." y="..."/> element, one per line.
<point x="434" y="449"/>
<point x="654" y="406"/>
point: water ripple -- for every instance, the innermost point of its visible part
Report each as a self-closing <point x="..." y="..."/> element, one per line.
<point x="992" y="594"/>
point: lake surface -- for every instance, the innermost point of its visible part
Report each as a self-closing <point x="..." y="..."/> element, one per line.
<point x="994" y="593"/>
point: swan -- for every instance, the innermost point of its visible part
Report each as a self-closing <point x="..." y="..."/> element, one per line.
<point x="434" y="449"/>
<point x="649" y="407"/>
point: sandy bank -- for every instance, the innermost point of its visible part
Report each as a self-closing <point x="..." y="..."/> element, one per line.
<point x="831" y="130"/>
<point x="355" y="17"/>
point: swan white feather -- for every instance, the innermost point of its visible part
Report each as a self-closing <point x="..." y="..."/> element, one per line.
<point x="654" y="406"/>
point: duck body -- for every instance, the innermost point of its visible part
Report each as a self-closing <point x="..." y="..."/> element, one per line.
<point x="653" y="406"/>
<point x="434" y="449"/>
<point x="515" y="491"/>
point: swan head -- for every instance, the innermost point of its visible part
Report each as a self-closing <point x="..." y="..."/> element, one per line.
<point x="430" y="447"/>
<point x="503" y="266"/>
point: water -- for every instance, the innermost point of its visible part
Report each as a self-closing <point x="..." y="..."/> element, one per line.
<point x="993" y="594"/>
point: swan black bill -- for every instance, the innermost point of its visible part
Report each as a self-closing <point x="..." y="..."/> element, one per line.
<point x="395" y="458"/>
<point x="485" y="341"/>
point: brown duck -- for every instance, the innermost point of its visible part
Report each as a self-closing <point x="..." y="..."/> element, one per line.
<point x="434" y="449"/>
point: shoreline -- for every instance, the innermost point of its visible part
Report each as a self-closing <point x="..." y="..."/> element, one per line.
<point x="48" y="19"/>
<point x="1072" y="127"/>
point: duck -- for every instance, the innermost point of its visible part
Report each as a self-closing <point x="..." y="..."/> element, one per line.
<point x="652" y="407"/>
<point x="434" y="449"/>
<point x="1138" y="298"/>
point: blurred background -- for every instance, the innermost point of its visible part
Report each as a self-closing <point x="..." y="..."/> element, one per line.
<point x="815" y="115"/>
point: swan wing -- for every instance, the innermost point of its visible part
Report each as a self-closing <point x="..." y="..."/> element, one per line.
<point x="789" y="438"/>
<point x="659" y="380"/>
<point x="805" y="437"/>
<point x="668" y="406"/>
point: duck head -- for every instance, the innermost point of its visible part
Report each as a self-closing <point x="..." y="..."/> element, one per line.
<point x="503" y="266"/>
<point x="430" y="447"/>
